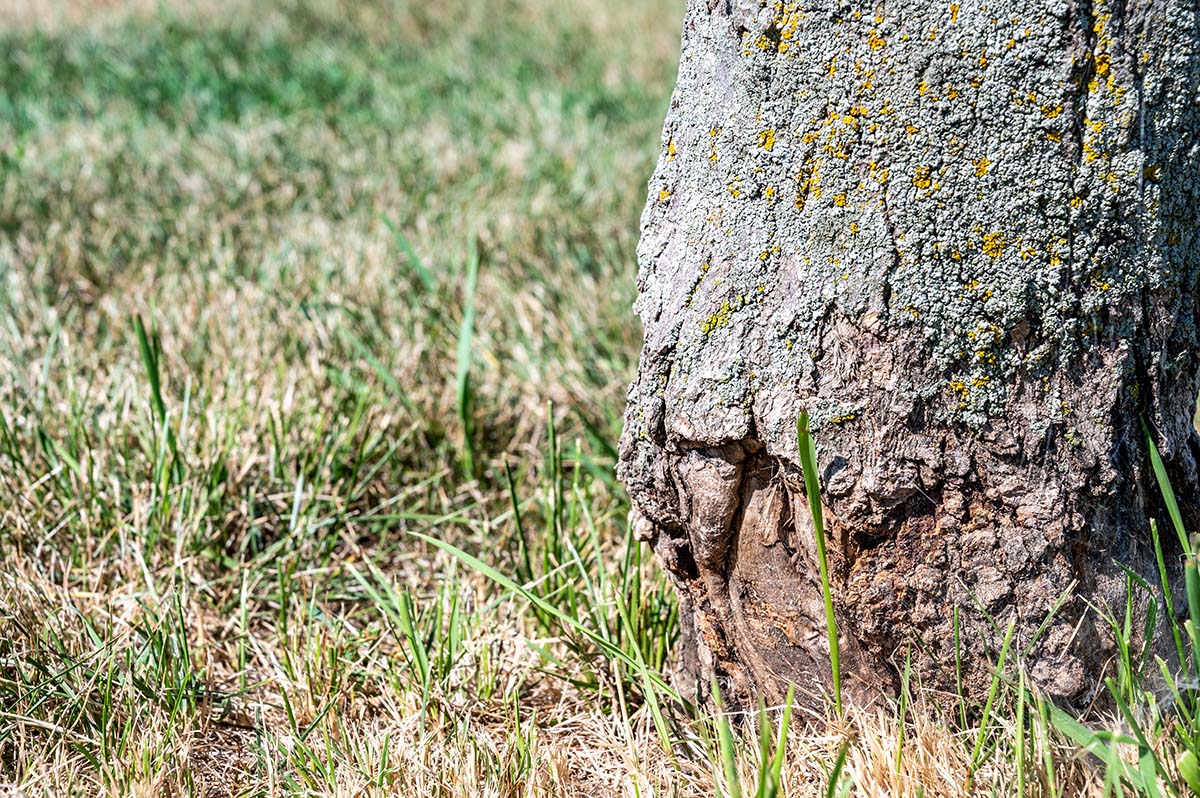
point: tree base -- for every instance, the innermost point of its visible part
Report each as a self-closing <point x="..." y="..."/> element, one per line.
<point x="940" y="587"/>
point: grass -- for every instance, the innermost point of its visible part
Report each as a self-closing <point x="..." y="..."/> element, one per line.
<point x="314" y="337"/>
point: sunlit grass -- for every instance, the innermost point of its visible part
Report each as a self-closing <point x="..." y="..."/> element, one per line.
<point x="314" y="339"/>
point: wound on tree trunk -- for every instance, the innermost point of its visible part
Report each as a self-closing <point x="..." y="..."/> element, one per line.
<point x="964" y="238"/>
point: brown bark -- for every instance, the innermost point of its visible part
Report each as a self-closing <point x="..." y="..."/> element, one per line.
<point x="964" y="239"/>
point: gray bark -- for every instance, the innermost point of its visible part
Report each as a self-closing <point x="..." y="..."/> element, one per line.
<point x="964" y="238"/>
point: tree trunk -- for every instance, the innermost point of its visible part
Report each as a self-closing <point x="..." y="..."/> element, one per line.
<point x="963" y="237"/>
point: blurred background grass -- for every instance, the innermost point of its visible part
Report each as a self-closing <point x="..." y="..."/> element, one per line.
<point x="287" y="193"/>
<point x="242" y="355"/>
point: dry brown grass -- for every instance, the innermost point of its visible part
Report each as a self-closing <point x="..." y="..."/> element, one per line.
<point x="56" y="15"/>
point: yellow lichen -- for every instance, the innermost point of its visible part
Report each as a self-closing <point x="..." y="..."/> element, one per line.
<point x="921" y="178"/>
<point x="993" y="244"/>
<point x="719" y="319"/>
<point x="664" y="194"/>
<point x="981" y="166"/>
<point x="809" y="185"/>
<point x="766" y="139"/>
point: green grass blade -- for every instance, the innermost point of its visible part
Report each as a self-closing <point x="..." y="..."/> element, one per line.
<point x="414" y="260"/>
<point x="1168" y="493"/>
<point x="727" y="752"/>
<point x="1164" y="582"/>
<point x="808" y="464"/>
<point x="993" y="692"/>
<point x="382" y="372"/>
<point x="779" y="758"/>
<point x="1048" y="769"/>
<point x="1189" y="769"/>
<point x="522" y="541"/>
<point x="462" y="370"/>
<point x="835" y="775"/>
<point x="1149" y="768"/>
<point x="149" y="354"/>
<point x="1191" y="582"/>
<point x="902" y="715"/>
<point x="1019" y="753"/>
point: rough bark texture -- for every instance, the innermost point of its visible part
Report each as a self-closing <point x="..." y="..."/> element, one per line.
<point x="963" y="236"/>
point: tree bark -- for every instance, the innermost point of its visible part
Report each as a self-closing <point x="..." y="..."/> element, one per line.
<point x="964" y="238"/>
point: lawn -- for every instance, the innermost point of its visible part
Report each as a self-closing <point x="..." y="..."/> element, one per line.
<point x="315" y="330"/>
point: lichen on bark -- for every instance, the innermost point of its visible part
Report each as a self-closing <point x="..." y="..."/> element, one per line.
<point x="963" y="237"/>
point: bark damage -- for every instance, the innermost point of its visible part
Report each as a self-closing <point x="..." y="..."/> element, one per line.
<point x="963" y="237"/>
